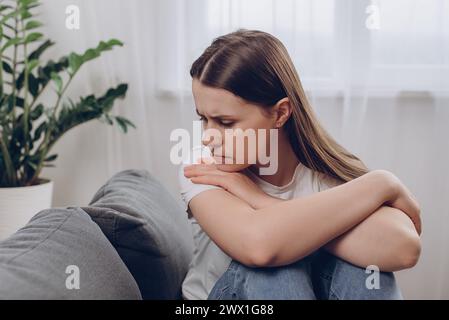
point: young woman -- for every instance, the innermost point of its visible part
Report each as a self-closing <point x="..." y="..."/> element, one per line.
<point x="310" y="230"/>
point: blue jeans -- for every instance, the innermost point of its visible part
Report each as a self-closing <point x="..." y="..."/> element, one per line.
<point x="319" y="276"/>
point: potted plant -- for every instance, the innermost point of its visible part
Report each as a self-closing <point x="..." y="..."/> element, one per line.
<point x="30" y="126"/>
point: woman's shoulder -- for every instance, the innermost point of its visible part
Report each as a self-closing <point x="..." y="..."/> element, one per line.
<point x="328" y="182"/>
<point x="316" y="180"/>
<point x="188" y="189"/>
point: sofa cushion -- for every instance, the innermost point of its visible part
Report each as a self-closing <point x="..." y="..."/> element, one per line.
<point x="149" y="230"/>
<point x="62" y="254"/>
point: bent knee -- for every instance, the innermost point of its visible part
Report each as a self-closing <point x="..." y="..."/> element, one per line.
<point x="292" y="281"/>
<point x="352" y="282"/>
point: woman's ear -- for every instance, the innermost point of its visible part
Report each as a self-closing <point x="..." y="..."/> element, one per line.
<point x="283" y="110"/>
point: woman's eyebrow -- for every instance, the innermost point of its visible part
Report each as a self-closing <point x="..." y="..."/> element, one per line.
<point x="219" y="116"/>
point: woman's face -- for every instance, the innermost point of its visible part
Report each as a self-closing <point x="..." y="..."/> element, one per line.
<point x="222" y="113"/>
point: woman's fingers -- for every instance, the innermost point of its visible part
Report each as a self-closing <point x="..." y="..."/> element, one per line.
<point x="410" y="206"/>
<point x="206" y="160"/>
<point x="211" y="179"/>
<point x="201" y="169"/>
<point x="414" y="208"/>
<point x="405" y="201"/>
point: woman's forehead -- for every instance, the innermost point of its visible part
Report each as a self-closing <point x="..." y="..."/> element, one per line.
<point x="216" y="102"/>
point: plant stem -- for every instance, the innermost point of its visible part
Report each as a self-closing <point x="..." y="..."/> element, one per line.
<point x="6" y="58"/>
<point x="53" y="116"/>
<point x="26" y="109"/>
<point x="10" y="172"/>
<point x="58" y="102"/>
<point x="14" y="66"/>
<point x="38" y="95"/>
<point x="1" y="78"/>
<point x="44" y="147"/>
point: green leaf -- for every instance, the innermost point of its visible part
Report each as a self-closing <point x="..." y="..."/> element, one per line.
<point x="113" y="93"/>
<point x="44" y="74"/>
<point x="90" y="54"/>
<point x="33" y="85"/>
<point x="57" y="80"/>
<point x="4" y="7"/>
<point x="27" y="3"/>
<point x="38" y="52"/>
<point x="124" y="123"/>
<point x="25" y="14"/>
<point x="33" y="24"/>
<point x="37" y="112"/>
<point x="11" y="42"/>
<point x="32" y="64"/>
<point x="51" y="158"/>
<point x="41" y="129"/>
<point x="108" y="45"/>
<point x="19" y="103"/>
<point x="33" y="37"/>
<point x="75" y="62"/>
<point x="10" y="15"/>
<point x="43" y="77"/>
<point x="108" y="119"/>
<point x="7" y="68"/>
<point x="32" y="165"/>
<point x="87" y="109"/>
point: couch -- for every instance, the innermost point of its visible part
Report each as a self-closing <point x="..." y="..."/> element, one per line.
<point x="132" y="241"/>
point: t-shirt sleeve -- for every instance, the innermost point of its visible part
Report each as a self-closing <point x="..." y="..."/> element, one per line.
<point x="327" y="182"/>
<point x="188" y="189"/>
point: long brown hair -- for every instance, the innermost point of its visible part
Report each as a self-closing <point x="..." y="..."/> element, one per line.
<point x="256" y="66"/>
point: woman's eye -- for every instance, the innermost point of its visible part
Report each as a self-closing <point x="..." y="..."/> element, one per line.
<point x="226" y="124"/>
<point x="203" y="118"/>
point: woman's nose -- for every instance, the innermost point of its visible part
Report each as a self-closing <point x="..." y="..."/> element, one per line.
<point x="211" y="138"/>
<point x="211" y="141"/>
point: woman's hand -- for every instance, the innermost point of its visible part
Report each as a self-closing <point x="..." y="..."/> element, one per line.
<point x="234" y="182"/>
<point x="401" y="198"/>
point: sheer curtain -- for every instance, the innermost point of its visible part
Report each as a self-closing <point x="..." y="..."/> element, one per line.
<point x="377" y="73"/>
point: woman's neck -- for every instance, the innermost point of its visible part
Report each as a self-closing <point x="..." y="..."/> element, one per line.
<point x="287" y="163"/>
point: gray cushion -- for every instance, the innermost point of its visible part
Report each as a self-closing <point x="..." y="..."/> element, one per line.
<point x="34" y="260"/>
<point x="149" y="230"/>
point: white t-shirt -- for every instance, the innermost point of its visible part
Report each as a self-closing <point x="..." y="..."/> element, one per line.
<point x="209" y="262"/>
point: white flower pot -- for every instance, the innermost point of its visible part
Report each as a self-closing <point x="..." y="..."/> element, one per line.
<point x="19" y="205"/>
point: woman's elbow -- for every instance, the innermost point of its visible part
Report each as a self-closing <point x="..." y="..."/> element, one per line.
<point x="258" y="260"/>
<point x="259" y="253"/>
<point x="410" y="251"/>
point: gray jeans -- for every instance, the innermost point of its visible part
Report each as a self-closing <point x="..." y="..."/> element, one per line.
<point x="318" y="276"/>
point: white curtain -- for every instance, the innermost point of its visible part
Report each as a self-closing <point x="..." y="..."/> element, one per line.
<point x="377" y="73"/>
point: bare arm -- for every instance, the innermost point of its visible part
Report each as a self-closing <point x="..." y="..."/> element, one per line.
<point x="288" y="230"/>
<point x="387" y="239"/>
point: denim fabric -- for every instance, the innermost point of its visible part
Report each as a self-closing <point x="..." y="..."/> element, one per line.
<point x="318" y="276"/>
